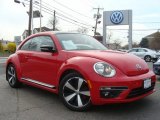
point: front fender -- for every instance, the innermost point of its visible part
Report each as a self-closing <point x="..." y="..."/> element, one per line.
<point x="83" y="65"/>
<point x="13" y="59"/>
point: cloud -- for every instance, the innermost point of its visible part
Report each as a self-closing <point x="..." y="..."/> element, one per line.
<point x="148" y="16"/>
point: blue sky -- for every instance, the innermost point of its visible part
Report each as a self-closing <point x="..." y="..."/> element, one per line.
<point x="14" y="19"/>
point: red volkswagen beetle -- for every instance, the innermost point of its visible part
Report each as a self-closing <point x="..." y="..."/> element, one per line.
<point x="80" y="69"/>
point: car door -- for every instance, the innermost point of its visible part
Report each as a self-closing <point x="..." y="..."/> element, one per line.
<point x="23" y="56"/>
<point x="38" y="67"/>
<point x="141" y="53"/>
<point x="43" y="64"/>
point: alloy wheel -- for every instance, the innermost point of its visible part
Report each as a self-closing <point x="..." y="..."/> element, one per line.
<point x="76" y="92"/>
<point x="11" y="75"/>
<point x="147" y="58"/>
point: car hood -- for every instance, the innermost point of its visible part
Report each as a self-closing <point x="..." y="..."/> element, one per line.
<point x="129" y="64"/>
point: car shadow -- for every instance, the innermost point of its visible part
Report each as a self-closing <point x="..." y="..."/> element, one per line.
<point x="137" y="106"/>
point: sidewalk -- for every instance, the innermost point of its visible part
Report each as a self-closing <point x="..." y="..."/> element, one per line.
<point x="3" y="57"/>
<point x="3" y="60"/>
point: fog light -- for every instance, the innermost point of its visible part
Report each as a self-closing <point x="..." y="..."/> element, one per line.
<point x="111" y="92"/>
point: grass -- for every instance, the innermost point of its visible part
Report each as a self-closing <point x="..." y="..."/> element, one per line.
<point x="5" y="54"/>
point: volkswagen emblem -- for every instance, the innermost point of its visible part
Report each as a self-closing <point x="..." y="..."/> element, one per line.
<point x="116" y="17"/>
<point x="139" y="67"/>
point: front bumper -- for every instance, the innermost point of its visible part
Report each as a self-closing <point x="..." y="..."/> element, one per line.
<point x="128" y="89"/>
<point x="156" y="68"/>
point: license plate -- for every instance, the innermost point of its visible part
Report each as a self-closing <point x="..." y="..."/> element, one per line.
<point x="147" y="83"/>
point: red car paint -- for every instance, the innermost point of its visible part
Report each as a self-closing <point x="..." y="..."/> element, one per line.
<point x="49" y="68"/>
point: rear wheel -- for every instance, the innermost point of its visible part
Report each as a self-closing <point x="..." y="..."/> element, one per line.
<point x="74" y="92"/>
<point x="147" y="58"/>
<point x="11" y="76"/>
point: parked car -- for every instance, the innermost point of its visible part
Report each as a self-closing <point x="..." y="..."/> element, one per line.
<point x="156" y="67"/>
<point x="147" y="54"/>
<point x="80" y="69"/>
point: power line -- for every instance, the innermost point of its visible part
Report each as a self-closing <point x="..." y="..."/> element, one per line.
<point x="71" y="9"/>
<point x="61" y="18"/>
<point x="47" y="9"/>
<point x="65" y="16"/>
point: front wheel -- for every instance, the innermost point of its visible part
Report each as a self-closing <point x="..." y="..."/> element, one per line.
<point x="74" y="92"/>
<point x="147" y="58"/>
<point x="11" y="76"/>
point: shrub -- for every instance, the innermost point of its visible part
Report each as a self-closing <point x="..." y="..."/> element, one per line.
<point x="11" y="47"/>
<point x="1" y="47"/>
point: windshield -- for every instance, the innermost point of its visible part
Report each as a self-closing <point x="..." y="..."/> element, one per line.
<point x="74" y="41"/>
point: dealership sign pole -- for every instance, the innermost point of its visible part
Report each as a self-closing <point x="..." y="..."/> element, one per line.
<point x="113" y="18"/>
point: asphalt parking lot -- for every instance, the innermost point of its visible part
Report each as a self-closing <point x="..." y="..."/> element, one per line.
<point x="28" y="103"/>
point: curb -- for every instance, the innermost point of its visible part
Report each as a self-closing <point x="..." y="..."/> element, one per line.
<point x="3" y="57"/>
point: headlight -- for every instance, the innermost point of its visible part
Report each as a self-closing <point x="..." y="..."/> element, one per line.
<point x="104" y="69"/>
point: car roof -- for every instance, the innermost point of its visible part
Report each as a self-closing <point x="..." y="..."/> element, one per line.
<point x="59" y="32"/>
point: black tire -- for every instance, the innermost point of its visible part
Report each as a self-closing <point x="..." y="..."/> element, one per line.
<point x="11" y="76"/>
<point x="148" y="58"/>
<point x="75" y="98"/>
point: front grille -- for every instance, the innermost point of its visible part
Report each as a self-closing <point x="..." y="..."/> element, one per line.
<point x="140" y="91"/>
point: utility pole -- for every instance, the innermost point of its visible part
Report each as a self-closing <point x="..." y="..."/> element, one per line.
<point x="97" y="17"/>
<point x="54" y="20"/>
<point x="40" y="15"/>
<point x="30" y="17"/>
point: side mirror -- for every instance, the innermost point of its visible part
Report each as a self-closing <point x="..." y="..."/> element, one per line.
<point x="47" y="48"/>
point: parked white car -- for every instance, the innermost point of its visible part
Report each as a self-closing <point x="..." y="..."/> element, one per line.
<point x="147" y="54"/>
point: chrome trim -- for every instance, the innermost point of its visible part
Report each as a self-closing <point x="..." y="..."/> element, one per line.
<point x="39" y="83"/>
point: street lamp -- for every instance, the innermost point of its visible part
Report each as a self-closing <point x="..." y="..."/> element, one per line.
<point x="17" y="1"/>
<point x="30" y="15"/>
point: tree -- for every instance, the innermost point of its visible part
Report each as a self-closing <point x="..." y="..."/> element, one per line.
<point x="82" y="30"/>
<point x="1" y="46"/>
<point x="155" y="42"/>
<point x="135" y="45"/>
<point x="53" y="23"/>
<point x="11" y="47"/>
<point x="117" y="43"/>
<point x="144" y="43"/>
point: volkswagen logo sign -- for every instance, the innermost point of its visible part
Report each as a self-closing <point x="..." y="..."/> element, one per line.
<point x="139" y="67"/>
<point x="116" y="17"/>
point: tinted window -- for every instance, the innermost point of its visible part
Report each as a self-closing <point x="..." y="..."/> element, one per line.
<point x="45" y="40"/>
<point x="35" y="43"/>
<point x="26" y="45"/>
<point x="133" y="50"/>
<point x="141" y="50"/>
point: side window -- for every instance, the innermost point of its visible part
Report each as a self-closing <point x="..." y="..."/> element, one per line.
<point x="35" y="44"/>
<point x="133" y="50"/>
<point x="141" y="50"/>
<point x="46" y="40"/>
<point x="26" y="45"/>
